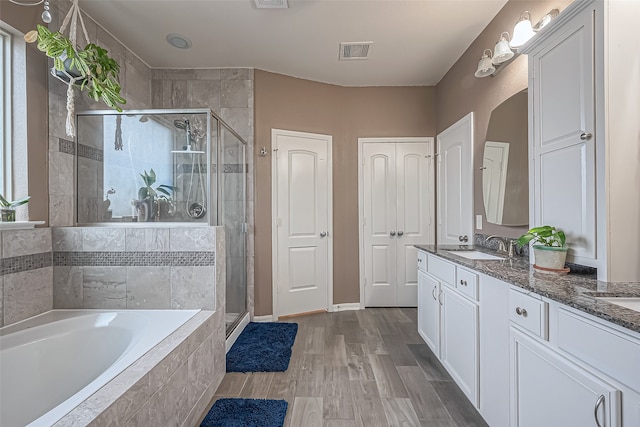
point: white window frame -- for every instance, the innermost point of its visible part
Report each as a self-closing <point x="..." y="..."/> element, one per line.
<point x="6" y="157"/>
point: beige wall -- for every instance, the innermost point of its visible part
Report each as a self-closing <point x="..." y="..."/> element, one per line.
<point x="459" y="92"/>
<point x="24" y="19"/>
<point x="289" y="103"/>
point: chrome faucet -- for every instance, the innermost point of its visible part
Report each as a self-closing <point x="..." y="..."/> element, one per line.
<point x="503" y="244"/>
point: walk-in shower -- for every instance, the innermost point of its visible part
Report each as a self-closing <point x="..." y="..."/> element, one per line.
<point x="179" y="167"/>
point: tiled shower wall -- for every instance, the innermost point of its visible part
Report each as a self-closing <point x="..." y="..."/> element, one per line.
<point x="135" y="268"/>
<point x="26" y="274"/>
<point x="229" y="93"/>
<point x="110" y="268"/>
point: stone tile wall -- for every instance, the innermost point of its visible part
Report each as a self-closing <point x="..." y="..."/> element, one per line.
<point x="135" y="268"/>
<point x="229" y="93"/>
<point x="26" y="274"/>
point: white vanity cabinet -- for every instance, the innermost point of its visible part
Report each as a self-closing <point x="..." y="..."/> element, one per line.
<point x="448" y="319"/>
<point x="583" y="134"/>
<point x="550" y="390"/>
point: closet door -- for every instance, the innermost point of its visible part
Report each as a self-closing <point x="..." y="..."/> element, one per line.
<point x="412" y="214"/>
<point x="379" y="228"/>
<point x="397" y="198"/>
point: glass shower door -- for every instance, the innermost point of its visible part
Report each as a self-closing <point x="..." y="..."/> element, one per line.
<point x="232" y="201"/>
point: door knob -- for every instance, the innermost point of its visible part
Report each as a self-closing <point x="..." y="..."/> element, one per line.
<point x="585" y="136"/>
<point x="463" y="238"/>
<point x="400" y="233"/>
<point x="392" y="233"/>
<point x="323" y="234"/>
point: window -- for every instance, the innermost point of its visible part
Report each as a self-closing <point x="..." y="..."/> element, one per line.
<point x="13" y="115"/>
<point x="5" y="120"/>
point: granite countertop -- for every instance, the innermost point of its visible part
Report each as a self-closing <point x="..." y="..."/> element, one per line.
<point x="577" y="289"/>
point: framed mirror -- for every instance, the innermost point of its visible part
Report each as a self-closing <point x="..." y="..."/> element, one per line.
<point x="505" y="169"/>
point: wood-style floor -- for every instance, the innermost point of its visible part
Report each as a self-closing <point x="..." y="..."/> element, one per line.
<point x="363" y="368"/>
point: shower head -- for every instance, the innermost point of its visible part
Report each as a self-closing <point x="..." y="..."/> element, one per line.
<point x="185" y="125"/>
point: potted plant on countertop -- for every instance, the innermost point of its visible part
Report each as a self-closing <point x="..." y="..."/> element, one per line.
<point x="550" y="252"/>
<point x="153" y="202"/>
<point x="8" y="209"/>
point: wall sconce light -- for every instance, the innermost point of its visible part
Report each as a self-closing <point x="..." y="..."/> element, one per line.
<point x="485" y="66"/>
<point x="490" y="65"/>
<point x="502" y="52"/>
<point x="524" y="30"/>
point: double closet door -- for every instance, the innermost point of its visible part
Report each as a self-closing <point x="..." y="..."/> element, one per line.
<point x="397" y="213"/>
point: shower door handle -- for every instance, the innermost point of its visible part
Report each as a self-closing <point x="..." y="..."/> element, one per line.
<point x="323" y="234"/>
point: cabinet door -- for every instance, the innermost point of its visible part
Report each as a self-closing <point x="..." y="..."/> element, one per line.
<point x="549" y="390"/>
<point x="429" y="311"/>
<point x="562" y="82"/>
<point x="459" y="341"/>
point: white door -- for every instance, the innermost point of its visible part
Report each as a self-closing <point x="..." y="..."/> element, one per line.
<point x="494" y="179"/>
<point x="302" y="222"/>
<point x="455" y="183"/>
<point x="396" y="211"/>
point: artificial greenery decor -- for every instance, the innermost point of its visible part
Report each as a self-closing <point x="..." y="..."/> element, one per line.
<point x="148" y="192"/>
<point x="7" y="208"/>
<point x="92" y="68"/>
<point x="545" y="235"/>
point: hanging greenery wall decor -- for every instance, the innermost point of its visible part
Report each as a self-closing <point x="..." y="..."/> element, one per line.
<point x="90" y="69"/>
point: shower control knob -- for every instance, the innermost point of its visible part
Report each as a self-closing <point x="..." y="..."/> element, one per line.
<point x="323" y="234"/>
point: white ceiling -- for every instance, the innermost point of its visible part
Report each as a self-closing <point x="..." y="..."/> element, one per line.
<point x="414" y="42"/>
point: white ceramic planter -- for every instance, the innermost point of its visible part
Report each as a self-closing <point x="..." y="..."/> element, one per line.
<point x="550" y="257"/>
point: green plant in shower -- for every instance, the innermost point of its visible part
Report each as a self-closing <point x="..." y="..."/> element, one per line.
<point x="148" y="192"/>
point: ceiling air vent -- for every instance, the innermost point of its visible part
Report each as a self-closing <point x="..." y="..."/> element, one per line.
<point x="354" y="50"/>
<point x="272" y="4"/>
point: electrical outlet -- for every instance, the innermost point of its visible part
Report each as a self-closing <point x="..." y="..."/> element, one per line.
<point x="479" y="222"/>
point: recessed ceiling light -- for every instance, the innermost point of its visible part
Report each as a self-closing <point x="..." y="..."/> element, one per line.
<point x="176" y="40"/>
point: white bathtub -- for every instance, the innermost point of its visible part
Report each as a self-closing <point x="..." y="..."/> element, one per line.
<point x="50" y="363"/>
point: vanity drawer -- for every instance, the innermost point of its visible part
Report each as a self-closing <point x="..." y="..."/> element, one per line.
<point x="467" y="283"/>
<point x="422" y="261"/>
<point x="529" y="313"/>
<point x="442" y="270"/>
<point x="612" y="352"/>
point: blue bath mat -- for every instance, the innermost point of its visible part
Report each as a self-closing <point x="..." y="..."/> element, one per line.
<point x="262" y="347"/>
<point x="246" y="413"/>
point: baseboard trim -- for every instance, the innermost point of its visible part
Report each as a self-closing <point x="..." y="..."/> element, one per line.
<point x="267" y="318"/>
<point x="236" y="332"/>
<point x="346" y="306"/>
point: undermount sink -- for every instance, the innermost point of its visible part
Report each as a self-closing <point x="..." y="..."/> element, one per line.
<point x="630" y="303"/>
<point x="477" y="255"/>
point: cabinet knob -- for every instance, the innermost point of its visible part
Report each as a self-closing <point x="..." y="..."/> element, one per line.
<point x="463" y="282"/>
<point x="585" y="136"/>
<point x="463" y="238"/>
<point x="521" y="312"/>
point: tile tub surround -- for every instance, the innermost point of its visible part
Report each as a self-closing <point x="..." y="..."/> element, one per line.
<point x="172" y="384"/>
<point x="26" y="274"/>
<point x="575" y="290"/>
<point x="135" y="268"/>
